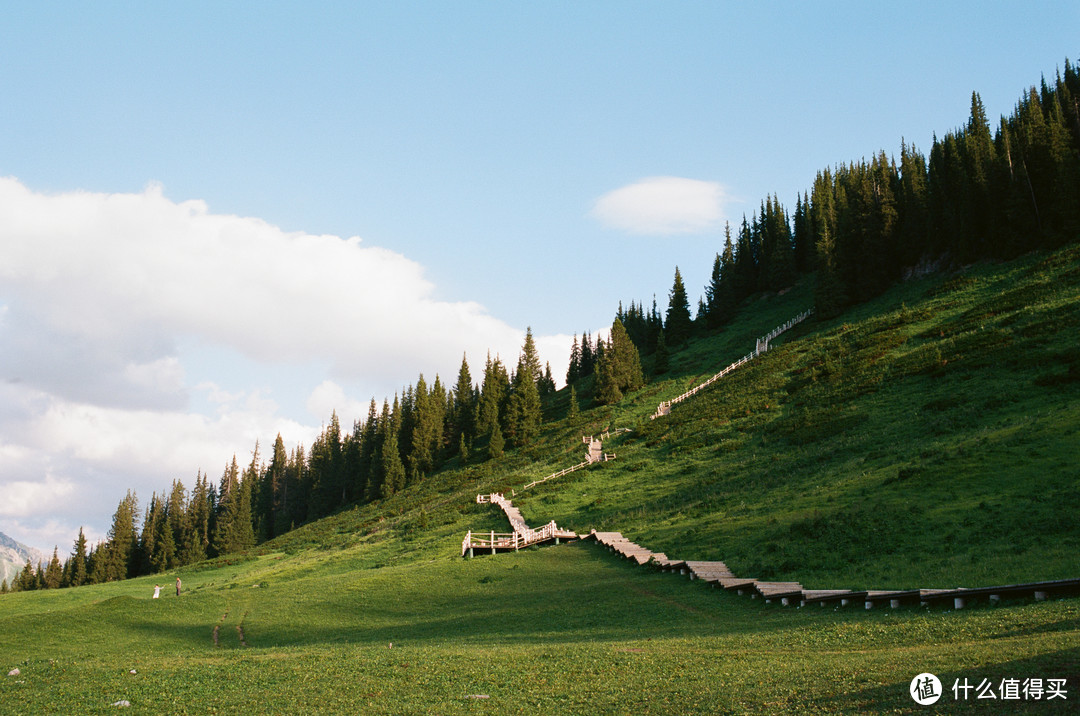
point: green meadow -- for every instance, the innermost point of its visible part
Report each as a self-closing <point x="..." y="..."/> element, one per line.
<point x="925" y="439"/>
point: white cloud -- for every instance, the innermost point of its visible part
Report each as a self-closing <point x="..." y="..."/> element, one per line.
<point x="662" y="206"/>
<point x="120" y="313"/>
<point x="24" y="497"/>
<point x="123" y="276"/>
<point x="70" y="463"/>
<point x="329" y="397"/>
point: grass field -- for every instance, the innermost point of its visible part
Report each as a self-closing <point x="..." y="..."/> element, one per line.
<point x="561" y="629"/>
<point x="928" y="439"/>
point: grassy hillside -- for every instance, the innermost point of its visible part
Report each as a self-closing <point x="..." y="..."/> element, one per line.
<point x="926" y="439"/>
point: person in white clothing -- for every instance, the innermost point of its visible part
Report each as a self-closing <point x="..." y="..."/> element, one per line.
<point x="157" y="591"/>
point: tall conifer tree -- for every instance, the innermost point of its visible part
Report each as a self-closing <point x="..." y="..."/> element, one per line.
<point x="78" y="561"/>
<point x="677" y="322"/>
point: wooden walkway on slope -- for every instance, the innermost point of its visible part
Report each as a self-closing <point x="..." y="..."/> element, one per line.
<point x="717" y="573"/>
<point x="794" y="594"/>
<point x="593" y="454"/>
<point x="762" y="346"/>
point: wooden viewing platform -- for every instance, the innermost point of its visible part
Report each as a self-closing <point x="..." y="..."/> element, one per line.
<point x="522" y="536"/>
<point x="493" y="542"/>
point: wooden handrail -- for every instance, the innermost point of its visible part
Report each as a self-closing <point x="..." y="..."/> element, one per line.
<point x="762" y="346"/>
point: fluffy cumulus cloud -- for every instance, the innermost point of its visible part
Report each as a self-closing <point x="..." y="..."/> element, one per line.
<point x="662" y="206"/>
<point x="118" y="277"/>
<point x="111" y="303"/>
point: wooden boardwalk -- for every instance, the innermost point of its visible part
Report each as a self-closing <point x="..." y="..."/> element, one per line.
<point x="717" y="573"/>
<point x="794" y="594"/>
<point x="762" y="346"/>
<point x="593" y="454"/>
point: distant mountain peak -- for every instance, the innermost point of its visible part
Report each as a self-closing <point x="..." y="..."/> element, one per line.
<point x="13" y="556"/>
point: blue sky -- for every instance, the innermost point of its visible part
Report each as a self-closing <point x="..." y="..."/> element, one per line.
<point x="183" y="180"/>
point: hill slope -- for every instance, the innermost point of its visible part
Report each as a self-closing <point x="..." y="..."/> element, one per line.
<point x="928" y="438"/>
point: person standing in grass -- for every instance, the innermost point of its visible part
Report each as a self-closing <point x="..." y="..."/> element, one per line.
<point x="178" y="586"/>
<point x="157" y="591"/>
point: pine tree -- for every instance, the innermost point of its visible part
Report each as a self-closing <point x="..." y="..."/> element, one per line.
<point x="493" y="395"/>
<point x="495" y="442"/>
<point x="326" y="468"/>
<point x="274" y="497"/>
<point x="745" y="275"/>
<point x="123" y="538"/>
<point x="546" y="385"/>
<point x="573" y="413"/>
<point x="96" y="563"/>
<point x="154" y="557"/>
<point x="27" y="580"/>
<point x="530" y="357"/>
<point x="573" y="371"/>
<point x="712" y="294"/>
<point x="463" y="450"/>
<point x="369" y="468"/>
<point x="977" y="148"/>
<point x="227" y="507"/>
<point x="177" y="520"/>
<point x="463" y="412"/>
<point x="54" y="572"/>
<point x="78" y="561"/>
<point x="243" y="535"/>
<point x="607" y="382"/>
<point x="196" y="543"/>
<point x="626" y="359"/>
<point x="803" y="235"/>
<point x="661" y="360"/>
<point x="722" y="310"/>
<point x="677" y="322"/>
<point x="165" y="557"/>
<point x="426" y="438"/>
<point x="524" y="413"/>
<point x="588" y="356"/>
<point x="353" y="485"/>
<point x="391" y="467"/>
<point x="777" y="251"/>
<point x="374" y="489"/>
<point x="829" y="295"/>
<point x="913" y="228"/>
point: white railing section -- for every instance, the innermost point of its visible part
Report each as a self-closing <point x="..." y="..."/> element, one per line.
<point x="507" y="540"/>
<point x="595" y="453"/>
<point x="608" y="433"/>
<point x="762" y="346"/>
<point x="521" y="537"/>
<point x="560" y="473"/>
